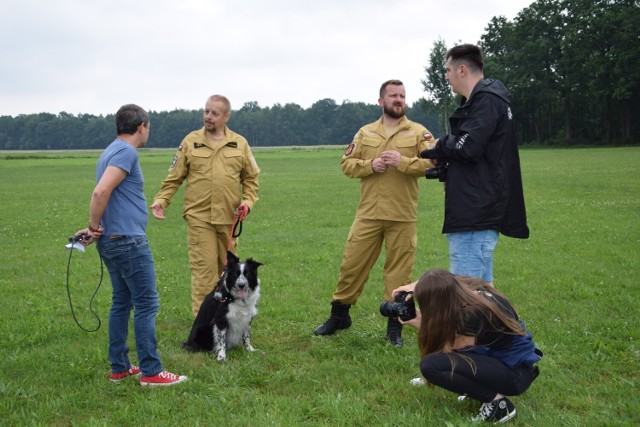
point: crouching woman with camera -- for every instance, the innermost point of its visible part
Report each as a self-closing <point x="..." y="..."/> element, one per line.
<point x="472" y="342"/>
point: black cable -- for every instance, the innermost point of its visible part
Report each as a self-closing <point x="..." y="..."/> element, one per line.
<point x="92" y="297"/>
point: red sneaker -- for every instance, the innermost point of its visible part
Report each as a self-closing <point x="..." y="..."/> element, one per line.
<point x="133" y="371"/>
<point x="164" y="378"/>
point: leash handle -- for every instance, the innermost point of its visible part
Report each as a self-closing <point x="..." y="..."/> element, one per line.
<point x="235" y="231"/>
<point x="237" y="219"/>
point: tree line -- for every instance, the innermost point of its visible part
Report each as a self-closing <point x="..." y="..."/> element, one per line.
<point x="324" y="123"/>
<point x="572" y="66"/>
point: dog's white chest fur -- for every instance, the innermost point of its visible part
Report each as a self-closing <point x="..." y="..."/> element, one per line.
<point x="239" y="317"/>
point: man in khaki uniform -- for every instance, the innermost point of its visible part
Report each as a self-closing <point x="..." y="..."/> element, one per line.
<point x="222" y="180"/>
<point x="385" y="155"/>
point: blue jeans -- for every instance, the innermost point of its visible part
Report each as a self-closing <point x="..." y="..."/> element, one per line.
<point x="471" y="253"/>
<point x="133" y="278"/>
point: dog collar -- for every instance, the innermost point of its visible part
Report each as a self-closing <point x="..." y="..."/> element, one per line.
<point x="219" y="295"/>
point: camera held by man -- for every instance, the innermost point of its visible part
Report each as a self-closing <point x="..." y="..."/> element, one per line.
<point x="438" y="172"/>
<point x="401" y="307"/>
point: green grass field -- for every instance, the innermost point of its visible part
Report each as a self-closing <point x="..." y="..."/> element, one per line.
<point x="576" y="282"/>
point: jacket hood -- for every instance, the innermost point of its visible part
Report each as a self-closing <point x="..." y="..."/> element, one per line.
<point x="495" y="87"/>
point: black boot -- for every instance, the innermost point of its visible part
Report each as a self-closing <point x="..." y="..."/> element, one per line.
<point x="339" y="319"/>
<point x="394" y="332"/>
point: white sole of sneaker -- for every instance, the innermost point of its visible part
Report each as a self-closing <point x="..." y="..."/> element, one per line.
<point x="146" y="384"/>
<point x="507" y="417"/>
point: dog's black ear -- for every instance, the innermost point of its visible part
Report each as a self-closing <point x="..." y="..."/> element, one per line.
<point x="232" y="258"/>
<point x="253" y="263"/>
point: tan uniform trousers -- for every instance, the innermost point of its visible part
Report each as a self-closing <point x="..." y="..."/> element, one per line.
<point x="208" y="244"/>
<point x="363" y="249"/>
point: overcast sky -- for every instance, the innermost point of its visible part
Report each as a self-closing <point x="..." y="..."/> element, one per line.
<point x="92" y="56"/>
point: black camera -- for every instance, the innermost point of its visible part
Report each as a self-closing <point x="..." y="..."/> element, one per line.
<point x="405" y="310"/>
<point x="439" y="172"/>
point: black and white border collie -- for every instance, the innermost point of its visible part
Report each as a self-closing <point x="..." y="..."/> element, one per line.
<point x="225" y="316"/>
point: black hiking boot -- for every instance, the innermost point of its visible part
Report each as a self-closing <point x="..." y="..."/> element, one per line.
<point x="339" y="319"/>
<point x="394" y="332"/>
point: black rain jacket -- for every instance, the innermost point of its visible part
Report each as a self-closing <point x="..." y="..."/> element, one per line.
<point x="484" y="183"/>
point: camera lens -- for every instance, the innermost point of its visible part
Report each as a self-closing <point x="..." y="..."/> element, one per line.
<point x="389" y="309"/>
<point x="431" y="173"/>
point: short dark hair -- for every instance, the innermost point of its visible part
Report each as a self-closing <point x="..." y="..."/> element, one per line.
<point x="383" y="88"/>
<point x="129" y="117"/>
<point x="469" y="54"/>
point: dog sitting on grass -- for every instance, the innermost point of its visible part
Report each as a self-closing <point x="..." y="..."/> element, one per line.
<point x="225" y="316"/>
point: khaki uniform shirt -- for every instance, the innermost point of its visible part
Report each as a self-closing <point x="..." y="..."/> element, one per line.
<point x="392" y="195"/>
<point x="220" y="176"/>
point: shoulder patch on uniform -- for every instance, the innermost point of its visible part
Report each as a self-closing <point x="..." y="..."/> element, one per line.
<point x="427" y="136"/>
<point x="173" y="163"/>
<point x="350" y="149"/>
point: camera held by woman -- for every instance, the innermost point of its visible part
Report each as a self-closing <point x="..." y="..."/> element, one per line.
<point x="471" y="341"/>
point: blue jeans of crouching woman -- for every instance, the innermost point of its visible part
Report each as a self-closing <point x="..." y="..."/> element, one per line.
<point x="133" y="277"/>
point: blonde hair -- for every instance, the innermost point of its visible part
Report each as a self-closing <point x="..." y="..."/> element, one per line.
<point x="224" y="100"/>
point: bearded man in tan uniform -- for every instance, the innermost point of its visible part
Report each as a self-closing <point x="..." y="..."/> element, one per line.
<point x="385" y="155"/>
<point x="222" y="181"/>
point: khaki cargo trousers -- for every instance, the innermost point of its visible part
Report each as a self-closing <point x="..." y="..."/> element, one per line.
<point x="362" y="250"/>
<point x="207" y="245"/>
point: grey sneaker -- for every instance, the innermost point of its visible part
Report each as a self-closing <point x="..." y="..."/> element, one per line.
<point x="498" y="411"/>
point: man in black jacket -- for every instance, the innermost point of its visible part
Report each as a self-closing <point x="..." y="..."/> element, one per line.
<point x="480" y="166"/>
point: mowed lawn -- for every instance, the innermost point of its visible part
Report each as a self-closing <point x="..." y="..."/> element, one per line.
<point x="576" y="283"/>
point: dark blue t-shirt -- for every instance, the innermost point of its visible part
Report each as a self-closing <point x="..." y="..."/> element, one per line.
<point x="493" y="338"/>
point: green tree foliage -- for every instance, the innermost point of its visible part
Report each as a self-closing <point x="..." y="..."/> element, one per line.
<point x="572" y="67"/>
<point x="436" y="86"/>
<point x="324" y="123"/>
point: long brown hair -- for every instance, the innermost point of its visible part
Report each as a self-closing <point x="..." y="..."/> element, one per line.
<point x="444" y="298"/>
